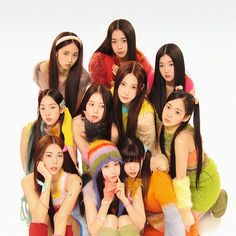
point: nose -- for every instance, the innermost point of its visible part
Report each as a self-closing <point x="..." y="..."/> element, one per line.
<point x="126" y="90"/>
<point x="69" y="58"/>
<point x="119" y="46"/>
<point x="47" y="112"/>
<point x="95" y="109"/>
<point x="112" y="169"/>
<point x="54" y="160"/>
<point x="132" y="166"/>
<point x="166" y="68"/>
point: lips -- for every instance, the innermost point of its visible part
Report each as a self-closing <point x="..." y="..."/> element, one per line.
<point x="54" y="168"/>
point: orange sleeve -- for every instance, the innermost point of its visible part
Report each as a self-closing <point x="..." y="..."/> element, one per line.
<point x="164" y="193"/>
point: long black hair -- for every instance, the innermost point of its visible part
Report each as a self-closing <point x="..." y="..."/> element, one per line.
<point x="128" y="30"/>
<point x="158" y="95"/>
<point x="37" y="128"/>
<point x="135" y="105"/>
<point x="191" y="107"/>
<point x="102" y="129"/>
<point x="74" y="76"/>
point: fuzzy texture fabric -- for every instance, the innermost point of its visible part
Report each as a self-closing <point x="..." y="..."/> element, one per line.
<point x="101" y="152"/>
<point x="103" y="68"/>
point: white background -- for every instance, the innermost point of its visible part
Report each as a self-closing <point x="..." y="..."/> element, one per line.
<point x="204" y="30"/>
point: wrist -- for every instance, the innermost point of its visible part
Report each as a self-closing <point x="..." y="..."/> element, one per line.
<point x="105" y="202"/>
<point x="126" y="202"/>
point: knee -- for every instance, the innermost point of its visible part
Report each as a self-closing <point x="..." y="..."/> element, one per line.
<point x="111" y="221"/>
<point x="124" y="220"/>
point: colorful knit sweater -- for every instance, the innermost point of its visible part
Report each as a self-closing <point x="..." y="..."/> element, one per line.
<point x="146" y="118"/>
<point x="103" y="68"/>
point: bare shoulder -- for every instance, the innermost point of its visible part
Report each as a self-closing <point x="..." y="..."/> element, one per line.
<point x="74" y="180"/>
<point x="44" y="67"/>
<point x="27" y="180"/>
<point x="77" y="119"/>
<point x="184" y="137"/>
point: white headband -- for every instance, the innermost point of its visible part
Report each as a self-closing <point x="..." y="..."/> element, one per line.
<point x="67" y="38"/>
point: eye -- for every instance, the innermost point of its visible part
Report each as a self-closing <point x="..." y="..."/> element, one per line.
<point x="167" y="106"/>
<point x="49" y="155"/>
<point x="122" y="83"/>
<point x="124" y="40"/>
<point x="106" y="166"/>
<point x="134" y="87"/>
<point x="113" y="41"/>
<point x="41" y="108"/>
<point x="177" y="112"/>
<point x="161" y="65"/>
<point x="66" y="53"/>
<point x="53" y="107"/>
<point x="60" y="155"/>
<point x="171" y="64"/>
<point x="117" y="163"/>
<point x="90" y="104"/>
<point x="101" y="106"/>
<point x="76" y="55"/>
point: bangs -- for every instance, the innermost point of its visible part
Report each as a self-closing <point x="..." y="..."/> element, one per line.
<point x="131" y="154"/>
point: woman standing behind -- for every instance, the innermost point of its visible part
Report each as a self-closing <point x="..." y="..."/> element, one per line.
<point x="169" y="73"/>
<point x="52" y="190"/>
<point x="134" y="116"/>
<point x="118" y="47"/>
<point x="64" y="70"/>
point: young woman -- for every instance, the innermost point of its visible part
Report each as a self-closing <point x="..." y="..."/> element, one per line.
<point x="53" y="118"/>
<point x="118" y="47"/>
<point x="169" y="73"/>
<point x="159" y="198"/>
<point x="133" y="114"/>
<point x="52" y="189"/>
<point x="108" y="210"/>
<point x="195" y="177"/>
<point x="94" y="119"/>
<point x="64" y="70"/>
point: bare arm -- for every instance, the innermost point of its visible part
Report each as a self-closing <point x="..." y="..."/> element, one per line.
<point x="23" y="146"/>
<point x="38" y="204"/>
<point x="78" y="132"/>
<point x="94" y="218"/>
<point x="136" y="210"/>
<point x="73" y="187"/>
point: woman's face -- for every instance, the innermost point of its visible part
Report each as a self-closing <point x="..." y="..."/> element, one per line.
<point x="127" y="89"/>
<point x="49" y="111"/>
<point x="167" y="69"/>
<point x="132" y="168"/>
<point x="119" y="44"/>
<point x="111" y="171"/>
<point x="95" y="107"/>
<point x="174" y="113"/>
<point x="67" y="56"/>
<point x="53" y="159"/>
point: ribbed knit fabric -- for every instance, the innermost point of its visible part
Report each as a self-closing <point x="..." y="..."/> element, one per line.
<point x="206" y="195"/>
<point x="209" y="183"/>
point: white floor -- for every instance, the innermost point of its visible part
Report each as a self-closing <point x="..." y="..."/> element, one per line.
<point x="204" y="30"/>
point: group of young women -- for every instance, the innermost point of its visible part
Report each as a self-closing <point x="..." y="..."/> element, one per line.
<point x="144" y="168"/>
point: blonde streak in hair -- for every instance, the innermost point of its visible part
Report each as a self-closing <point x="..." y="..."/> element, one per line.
<point x="133" y="67"/>
<point x="165" y="49"/>
<point x="118" y="24"/>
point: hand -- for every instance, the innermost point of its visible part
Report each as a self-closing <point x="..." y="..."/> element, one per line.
<point x="120" y="190"/>
<point x="109" y="190"/>
<point x="43" y="171"/>
<point x="159" y="162"/>
<point x="187" y="217"/>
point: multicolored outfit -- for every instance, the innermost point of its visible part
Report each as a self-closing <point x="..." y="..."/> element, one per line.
<point x="160" y="203"/>
<point x="42" y="80"/>
<point x="103" y="68"/>
<point x="146" y="117"/>
<point x="208" y="191"/>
